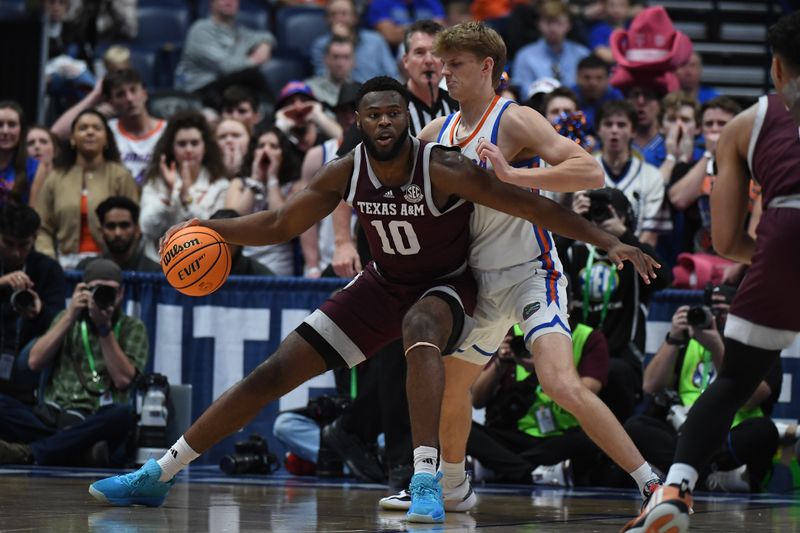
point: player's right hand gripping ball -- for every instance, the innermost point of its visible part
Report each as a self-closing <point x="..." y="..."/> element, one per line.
<point x="196" y="261"/>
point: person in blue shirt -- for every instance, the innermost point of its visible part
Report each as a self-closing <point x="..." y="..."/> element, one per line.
<point x="689" y="77"/>
<point x="373" y="56"/>
<point x="391" y="17"/>
<point x="17" y="170"/>
<point x="593" y="89"/>
<point x="616" y="16"/>
<point x="553" y="55"/>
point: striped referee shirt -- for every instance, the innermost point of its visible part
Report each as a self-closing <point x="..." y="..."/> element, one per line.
<point x="422" y="115"/>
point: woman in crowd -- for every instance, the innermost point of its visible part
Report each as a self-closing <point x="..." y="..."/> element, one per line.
<point x="233" y="138"/>
<point x="90" y="172"/>
<point x="43" y="146"/>
<point x="17" y="170"/>
<point x="274" y="170"/>
<point x="186" y="178"/>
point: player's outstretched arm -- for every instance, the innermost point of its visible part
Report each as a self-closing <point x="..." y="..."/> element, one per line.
<point x="573" y="169"/>
<point x="729" y="197"/>
<point x="299" y="213"/>
<point x="453" y="174"/>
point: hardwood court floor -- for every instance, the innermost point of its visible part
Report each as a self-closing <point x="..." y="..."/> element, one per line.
<point x="39" y="499"/>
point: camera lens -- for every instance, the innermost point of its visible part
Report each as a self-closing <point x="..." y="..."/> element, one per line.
<point x="104" y="296"/>
<point x="22" y="299"/>
<point x="699" y="317"/>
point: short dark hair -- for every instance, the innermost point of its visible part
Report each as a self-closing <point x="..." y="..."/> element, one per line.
<point x="617" y="107"/>
<point x="117" y="202"/>
<point x="380" y="84"/>
<point x="110" y="153"/>
<point x="338" y="39"/>
<point x="726" y="103"/>
<point x="430" y="27"/>
<point x="563" y="92"/>
<point x="224" y="213"/>
<point x="236" y="94"/>
<point x="592" y="61"/>
<point x="19" y="220"/>
<point x="115" y="78"/>
<point x="784" y="39"/>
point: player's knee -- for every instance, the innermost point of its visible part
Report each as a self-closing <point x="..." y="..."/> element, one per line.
<point x="565" y="390"/>
<point x="422" y="326"/>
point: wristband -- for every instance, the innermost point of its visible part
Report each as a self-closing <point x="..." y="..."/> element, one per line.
<point x="674" y="342"/>
<point x="254" y="185"/>
<point x="708" y="155"/>
<point x="670" y="157"/>
<point x="273" y="183"/>
<point x="103" y="331"/>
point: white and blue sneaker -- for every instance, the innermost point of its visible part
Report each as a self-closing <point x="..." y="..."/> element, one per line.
<point x="454" y="501"/>
<point x="426" y="499"/>
<point x="137" y="488"/>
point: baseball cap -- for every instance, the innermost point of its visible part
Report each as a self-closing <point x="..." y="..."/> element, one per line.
<point x="291" y="89"/>
<point x="104" y="269"/>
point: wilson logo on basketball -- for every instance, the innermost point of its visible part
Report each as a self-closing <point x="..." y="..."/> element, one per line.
<point x="191" y="268"/>
<point x="170" y="254"/>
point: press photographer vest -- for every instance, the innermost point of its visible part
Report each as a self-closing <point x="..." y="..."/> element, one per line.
<point x="546" y="418"/>
<point x="697" y="372"/>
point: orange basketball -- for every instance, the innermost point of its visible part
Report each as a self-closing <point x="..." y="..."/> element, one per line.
<point x="196" y="261"/>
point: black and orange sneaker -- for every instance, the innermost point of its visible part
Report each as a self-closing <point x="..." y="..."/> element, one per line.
<point x="666" y="511"/>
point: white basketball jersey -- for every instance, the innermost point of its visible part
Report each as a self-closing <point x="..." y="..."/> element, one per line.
<point x="326" y="238"/>
<point x="499" y="241"/>
<point x="134" y="151"/>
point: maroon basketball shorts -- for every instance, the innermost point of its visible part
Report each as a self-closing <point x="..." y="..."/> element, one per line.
<point x="368" y="313"/>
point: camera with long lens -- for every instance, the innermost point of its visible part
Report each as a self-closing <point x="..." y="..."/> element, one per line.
<point x="699" y="317"/>
<point x="598" y="209"/>
<point x="104" y="296"/>
<point x="22" y="300"/>
<point x="251" y="456"/>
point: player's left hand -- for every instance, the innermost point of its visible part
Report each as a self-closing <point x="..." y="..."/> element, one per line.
<point x="488" y="152"/>
<point x="644" y="264"/>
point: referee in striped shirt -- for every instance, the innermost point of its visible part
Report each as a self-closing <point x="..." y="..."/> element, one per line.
<point x="427" y="100"/>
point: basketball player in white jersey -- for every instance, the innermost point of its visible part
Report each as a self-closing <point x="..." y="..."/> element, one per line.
<point x="515" y="263"/>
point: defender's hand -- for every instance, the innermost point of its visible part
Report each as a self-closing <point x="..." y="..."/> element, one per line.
<point x="644" y="264"/>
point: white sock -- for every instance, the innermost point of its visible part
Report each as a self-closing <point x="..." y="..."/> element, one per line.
<point x="680" y="472"/>
<point x="425" y="460"/>
<point x="176" y="459"/>
<point x="642" y="475"/>
<point x="452" y="474"/>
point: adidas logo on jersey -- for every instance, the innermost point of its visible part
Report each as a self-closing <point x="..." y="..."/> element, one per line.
<point x="388" y="194"/>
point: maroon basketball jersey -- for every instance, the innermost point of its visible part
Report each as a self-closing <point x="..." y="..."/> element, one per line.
<point x="411" y="241"/>
<point x="774" y="151"/>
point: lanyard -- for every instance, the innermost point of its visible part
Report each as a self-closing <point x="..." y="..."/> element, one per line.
<point x="88" y="349"/>
<point x="587" y="280"/>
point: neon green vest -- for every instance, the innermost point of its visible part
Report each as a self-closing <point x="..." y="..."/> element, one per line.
<point x="562" y="420"/>
<point x="695" y="379"/>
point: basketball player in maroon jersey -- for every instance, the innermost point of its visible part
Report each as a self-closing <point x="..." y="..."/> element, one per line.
<point x="413" y="199"/>
<point x="762" y="142"/>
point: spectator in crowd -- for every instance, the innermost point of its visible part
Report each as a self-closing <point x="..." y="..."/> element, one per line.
<point x="373" y="56"/>
<point x="560" y="101"/>
<point x="17" y="170"/>
<point x="240" y="264"/>
<point x="95" y="352"/>
<point x="31" y="291"/>
<point x="90" y="173"/>
<point x="136" y="132"/>
<point x="42" y="145"/>
<point x="185" y="179"/>
<point x="300" y="116"/>
<point x="339" y="63"/>
<point x="691" y="182"/>
<point x="109" y="21"/>
<point x="392" y="17"/>
<point x="527" y="437"/>
<point x="680" y="122"/>
<point x="640" y="181"/>
<point x="689" y="76"/>
<point x="685" y="364"/>
<point x="117" y="57"/>
<point x="553" y="55"/>
<point x="119" y="220"/>
<point x="426" y="99"/>
<point x="240" y="103"/>
<point x="220" y="52"/>
<point x="610" y="300"/>
<point x="616" y="16"/>
<point x="317" y="243"/>
<point x="593" y="89"/>
<point x="233" y="138"/>
<point x="647" y="137"/>
<point x="273" y="172"/>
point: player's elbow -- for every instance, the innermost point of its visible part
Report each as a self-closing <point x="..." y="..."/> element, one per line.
<point x="595" y="178"/>
<point x="724" y="240"/>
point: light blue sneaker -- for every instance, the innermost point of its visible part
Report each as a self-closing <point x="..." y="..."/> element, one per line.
<point x="137" y="488"/>
<point x="426" y="499"/>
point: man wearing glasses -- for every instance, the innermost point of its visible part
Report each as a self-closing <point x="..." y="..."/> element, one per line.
<point x="119" y="222"/>
<point x="94" y="353"/>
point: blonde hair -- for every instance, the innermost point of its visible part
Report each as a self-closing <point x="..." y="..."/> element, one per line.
<point x="476" y="38"/>
<point x="117" y="56"/>
<point x="551" y="9"/>
<point x="674" y="101"/>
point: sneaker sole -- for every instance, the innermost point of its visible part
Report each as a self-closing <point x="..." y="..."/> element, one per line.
<point x="665" y="518"/>
<point x="148" y="502"/>
<point x="424" y="518"/>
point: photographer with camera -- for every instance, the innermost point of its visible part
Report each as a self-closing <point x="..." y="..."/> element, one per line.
<point x="95" y="352"/>
<point x="31" y="293"/>
<point x="684" y="366"/>
<point x="613" y="301"/>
